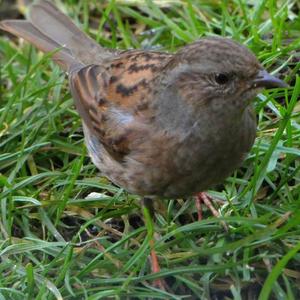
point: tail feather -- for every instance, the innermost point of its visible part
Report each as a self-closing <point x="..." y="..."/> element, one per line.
<point x="27" y="31"/>
<point x="53" y="23"/>
<point x="49" y="29"/>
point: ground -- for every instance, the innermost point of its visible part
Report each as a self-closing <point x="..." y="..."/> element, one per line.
<point x="59" y="241"/>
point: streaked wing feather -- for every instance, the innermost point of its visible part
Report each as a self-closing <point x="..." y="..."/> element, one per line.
<point x="112" y="125"/>
<point x="114" y="99"/>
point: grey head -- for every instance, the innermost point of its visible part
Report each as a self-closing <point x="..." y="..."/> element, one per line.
<point x="216" y="69"/>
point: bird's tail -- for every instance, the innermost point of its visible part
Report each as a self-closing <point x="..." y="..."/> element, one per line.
<point x="49" y="29"/>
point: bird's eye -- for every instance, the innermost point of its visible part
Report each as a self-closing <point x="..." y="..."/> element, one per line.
<point x="221" y="78"/>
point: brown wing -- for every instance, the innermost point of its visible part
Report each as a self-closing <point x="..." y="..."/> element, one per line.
<point x="108" y="123"/>
<point x="133" y="73"/>
<point x="113" y="100"/>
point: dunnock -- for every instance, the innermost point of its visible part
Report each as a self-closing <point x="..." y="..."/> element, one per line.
<point x="155" y="123"/>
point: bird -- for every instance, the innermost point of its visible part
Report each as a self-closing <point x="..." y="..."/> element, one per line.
<point x="158" y="124"/>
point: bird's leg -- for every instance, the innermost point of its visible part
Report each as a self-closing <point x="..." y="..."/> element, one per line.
<point x="198" y="201"/>
<point x="148" y="215"/>
<point x="207" y="200"/>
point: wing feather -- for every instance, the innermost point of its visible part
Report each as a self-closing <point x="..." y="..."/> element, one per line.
<point x="112" y="125"/>
<point x="114" y="99"/>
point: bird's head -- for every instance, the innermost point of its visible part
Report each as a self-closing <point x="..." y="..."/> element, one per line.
<point x="218" y="71"/>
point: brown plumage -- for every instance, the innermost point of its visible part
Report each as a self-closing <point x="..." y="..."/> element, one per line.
<point x="157" y="124"/>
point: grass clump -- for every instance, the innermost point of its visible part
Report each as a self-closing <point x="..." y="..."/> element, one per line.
<point x="57" y="243"/>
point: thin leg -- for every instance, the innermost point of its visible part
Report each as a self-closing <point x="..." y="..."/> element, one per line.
<point x="198" y="201"/>
<point x="148" y="205"/>
<point x="207" y="200"/>
<point x="204" y="198"/>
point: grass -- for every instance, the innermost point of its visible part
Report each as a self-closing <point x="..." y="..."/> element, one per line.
<point x="57" y="243"/>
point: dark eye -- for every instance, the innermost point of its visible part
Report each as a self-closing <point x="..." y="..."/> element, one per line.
<point x="221" y="78"/>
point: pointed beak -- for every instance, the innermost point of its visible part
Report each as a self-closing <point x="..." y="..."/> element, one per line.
<point x="266" y="80"/>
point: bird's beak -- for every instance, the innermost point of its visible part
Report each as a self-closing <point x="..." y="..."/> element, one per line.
<point x="266" y="80"/>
